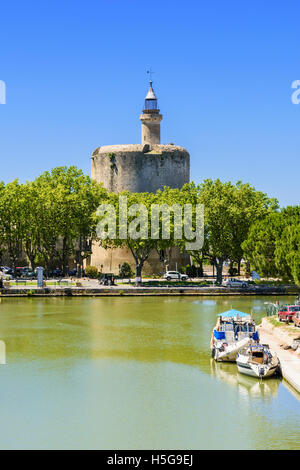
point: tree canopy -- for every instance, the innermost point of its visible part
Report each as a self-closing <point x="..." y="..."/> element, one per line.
<point x="230" y="210"/>
<point x="54" y="218"/>
<point x="48" y="216"/>
<point x="273" y="245"/>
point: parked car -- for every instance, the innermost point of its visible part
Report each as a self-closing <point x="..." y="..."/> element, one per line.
<point x="25" y="272"/>
<point x="28" y="274"/>
<point x="296" y="318"/>
<point x="73" y="272"/>
<point x="235" y="283"/>
<point x="5" y="276"/>
<point x="287" y="312"/>
<point x="57" y="273"/>
<point x="20" y="270"/>
<point x="175" y="275"/>
<point x="7" y="270"/>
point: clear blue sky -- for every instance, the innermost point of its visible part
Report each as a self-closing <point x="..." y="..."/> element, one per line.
<point x="76" y="79"/>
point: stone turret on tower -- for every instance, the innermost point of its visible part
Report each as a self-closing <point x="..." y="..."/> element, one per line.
<point x="151" y="119"/>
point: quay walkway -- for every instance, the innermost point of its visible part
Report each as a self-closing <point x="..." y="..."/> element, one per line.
<point x="289" y="359"/>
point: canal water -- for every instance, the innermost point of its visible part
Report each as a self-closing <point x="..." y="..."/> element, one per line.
<point x="133" y="373"/>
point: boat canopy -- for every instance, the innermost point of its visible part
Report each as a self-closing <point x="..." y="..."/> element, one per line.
<point x="233" y="314"/>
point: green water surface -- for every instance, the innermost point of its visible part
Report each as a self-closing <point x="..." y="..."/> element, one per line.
<point x="133" y="373"/>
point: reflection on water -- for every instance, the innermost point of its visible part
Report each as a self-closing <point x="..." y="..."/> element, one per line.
<point x="247" y="386"/>
<point x="133" y="373"/>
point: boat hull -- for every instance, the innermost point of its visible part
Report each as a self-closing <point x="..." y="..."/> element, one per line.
<point x="230" y="353"/>
<point x="257" y="371"/>
<point x="224" y="357"/>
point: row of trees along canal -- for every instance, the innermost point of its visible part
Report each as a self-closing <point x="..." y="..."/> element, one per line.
<point x="54" y="218"/>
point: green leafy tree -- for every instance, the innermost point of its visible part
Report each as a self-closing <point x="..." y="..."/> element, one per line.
<point x="2" y="229"/>
<point x="249" y="205"/>
<point x="32" y="226"/>
<point x="229" y="212"/>
<point x="160" y="228"/>
<point x="132" y="233"/>
<point x="175" y="198"/>
<point x="12" y="219"/>
<point x="273" y="245"/>
<point x="259" y="247"/>
<point x="67" y="201"/>
<point x="287" y="252"/>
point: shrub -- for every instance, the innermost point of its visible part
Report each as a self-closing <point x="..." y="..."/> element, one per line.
<point x="91" y="271"/>
<point x="191" y="271"/>
<point x="125" y="270"/>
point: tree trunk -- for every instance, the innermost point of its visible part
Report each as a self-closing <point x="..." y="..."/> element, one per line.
<point x="165" y="258"/>
<point x="30" y="253"/>
<point x="138" y="273"/>
<point x="14" y="254"/>
<point x="161" y="255"/>
<point x="248" y="269"/>
<point x="200" y="267"/>
<point x="239" y="267"/>
<point x="13" y="260"/>
<point x="32" y="263"/>
<point x="65" y="257"/>
<point x="219" y="267"/>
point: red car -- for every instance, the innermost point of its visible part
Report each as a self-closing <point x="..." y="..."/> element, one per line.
<point x="287" y="312"/>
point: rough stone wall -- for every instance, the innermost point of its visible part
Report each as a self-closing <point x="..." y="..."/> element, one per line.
<point x="109" y="261"/>
<point x="137" y="168"/>
<point x="127" y="167"/>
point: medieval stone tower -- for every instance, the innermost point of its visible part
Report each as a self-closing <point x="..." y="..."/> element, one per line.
<point x="144" y="167"/>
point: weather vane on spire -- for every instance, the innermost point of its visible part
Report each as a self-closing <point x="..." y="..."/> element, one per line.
<point x="150" y="72"/>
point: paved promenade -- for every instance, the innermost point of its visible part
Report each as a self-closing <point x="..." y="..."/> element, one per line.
<point x="290" y="360"/>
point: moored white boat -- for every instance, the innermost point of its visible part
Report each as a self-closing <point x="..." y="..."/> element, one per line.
<point x="234" y="330"/>
<point x="229" y="352"/>
<point x="257" y="360"/>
